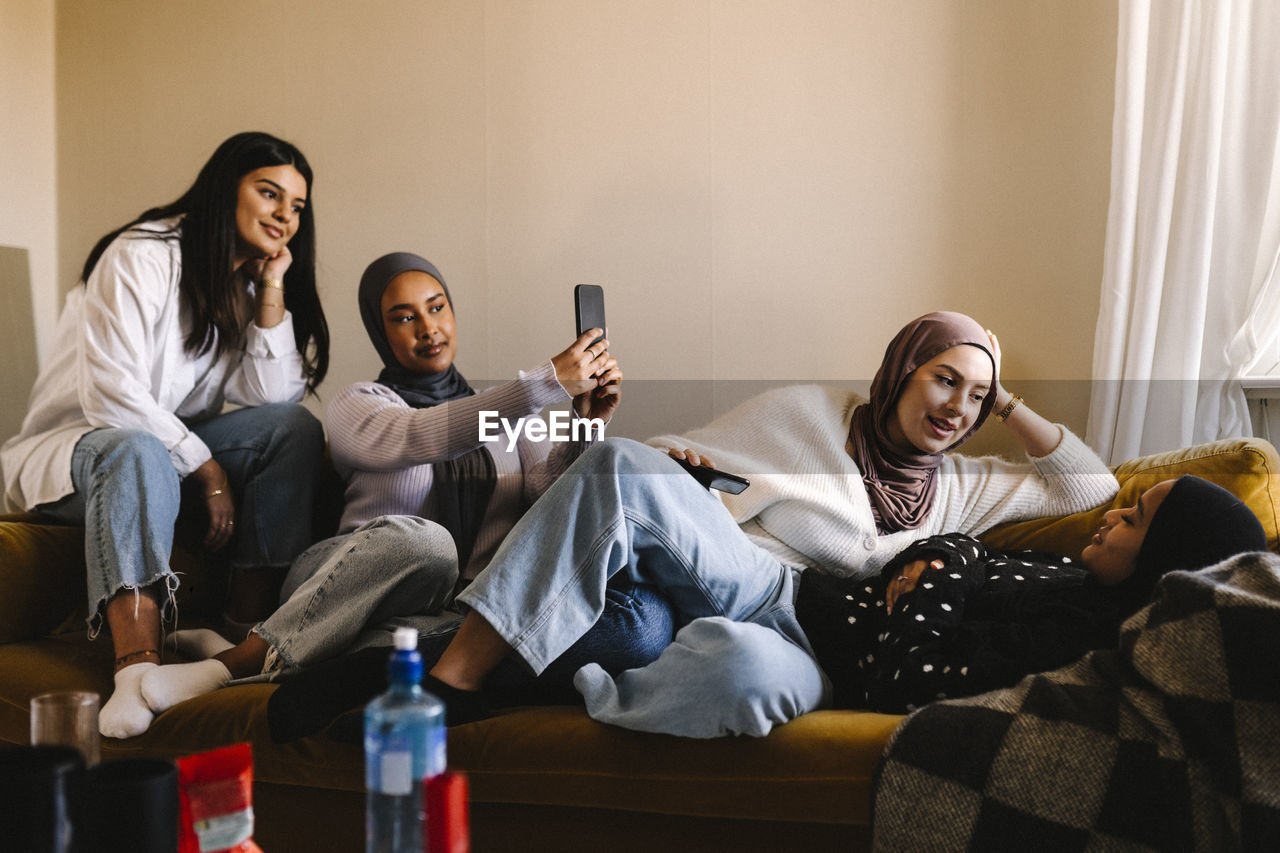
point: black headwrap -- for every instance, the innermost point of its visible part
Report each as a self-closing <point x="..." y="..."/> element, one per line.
<point x="1197" y="524"/>
<point x="463" y="486"/>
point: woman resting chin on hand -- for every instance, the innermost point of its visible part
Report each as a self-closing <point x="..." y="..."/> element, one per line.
<point x="208" y="300"/>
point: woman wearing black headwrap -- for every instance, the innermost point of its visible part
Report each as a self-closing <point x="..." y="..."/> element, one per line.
<point x="969" y="618"/>
<point x="426" y="500"/>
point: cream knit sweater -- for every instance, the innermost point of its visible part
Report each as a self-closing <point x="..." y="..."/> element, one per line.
<point x="807" y="504"/>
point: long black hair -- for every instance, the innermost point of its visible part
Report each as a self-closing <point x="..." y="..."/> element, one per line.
<point x="207" y="238"/>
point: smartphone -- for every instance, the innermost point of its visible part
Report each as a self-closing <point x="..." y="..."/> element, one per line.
<point x="588" y="304"/>
<point x="713" y="478"/>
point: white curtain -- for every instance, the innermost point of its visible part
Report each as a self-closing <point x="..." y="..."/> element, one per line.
<point x="1190" y="291"/>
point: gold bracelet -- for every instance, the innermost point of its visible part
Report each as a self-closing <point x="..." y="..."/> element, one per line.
<point x="145" y="653"/>
<point x="274" y="283"/>
<point x="1008" y="409"/>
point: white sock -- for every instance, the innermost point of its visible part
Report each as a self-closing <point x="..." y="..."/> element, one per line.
<point x="126" y="713"/>
<point x="166" y="686"/>
<point x="199" y="643"/>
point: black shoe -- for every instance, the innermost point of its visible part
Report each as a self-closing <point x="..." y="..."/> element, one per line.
<point x="348" y="728"/>
<point x="309" y="700"/>
<point x="460" y="706"/>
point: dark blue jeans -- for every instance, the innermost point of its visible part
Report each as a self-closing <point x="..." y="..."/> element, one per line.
<point x="636" y="625"/>
<point x="128" y="496"/>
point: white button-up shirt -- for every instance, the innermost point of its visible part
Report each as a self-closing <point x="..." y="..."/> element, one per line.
<point x="120" y="361"/>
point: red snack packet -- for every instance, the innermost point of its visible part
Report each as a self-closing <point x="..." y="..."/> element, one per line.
<point x="448" y="815"/>
<point x="215" y="795"/>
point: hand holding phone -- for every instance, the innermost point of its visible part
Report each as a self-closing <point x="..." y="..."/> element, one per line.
<point x="588" y="304"/>
<point x="712" y="478"/>
<point x="589" y="373"/>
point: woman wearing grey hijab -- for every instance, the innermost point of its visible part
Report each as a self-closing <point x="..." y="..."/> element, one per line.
<point x="409" y="443"/>
<point x="426" y="502"/>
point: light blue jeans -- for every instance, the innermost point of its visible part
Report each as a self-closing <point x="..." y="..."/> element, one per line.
<point x="740" y="665"/>
<point x="352" y="591"/>
<point x="128" y="496"/>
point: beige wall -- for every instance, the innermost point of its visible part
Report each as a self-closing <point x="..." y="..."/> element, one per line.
<point x="27" y="170"/>
<point x="767" y="189"/>
<point x="28" y="222"/>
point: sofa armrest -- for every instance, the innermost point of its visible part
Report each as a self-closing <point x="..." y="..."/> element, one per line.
<point x="42" y="569"/>
<point x="1247" y="467"/>
<point x="41" y="577"/>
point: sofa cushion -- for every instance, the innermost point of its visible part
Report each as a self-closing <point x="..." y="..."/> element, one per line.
<point x="1247" y="467"/>
<point x="817" y="768"/>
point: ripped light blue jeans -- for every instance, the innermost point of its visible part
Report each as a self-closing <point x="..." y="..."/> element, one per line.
<point x="739" y="665"/>
<point x="128" y="497"/>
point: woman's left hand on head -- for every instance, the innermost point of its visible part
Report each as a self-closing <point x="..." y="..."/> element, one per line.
<point x="997" y="357"/>
<point x="995" y="350"/>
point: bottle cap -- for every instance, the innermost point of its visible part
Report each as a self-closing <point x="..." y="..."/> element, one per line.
<point x="405" y="666"/>
<point x="405" y="639"/>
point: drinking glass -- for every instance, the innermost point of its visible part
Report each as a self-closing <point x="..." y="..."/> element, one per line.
<point x="67" y="718"/>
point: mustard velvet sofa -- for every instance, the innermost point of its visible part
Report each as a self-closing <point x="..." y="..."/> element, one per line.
<point x="546" y="778"/>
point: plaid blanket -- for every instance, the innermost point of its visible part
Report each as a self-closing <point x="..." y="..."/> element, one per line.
<point x="1171" y="742"/>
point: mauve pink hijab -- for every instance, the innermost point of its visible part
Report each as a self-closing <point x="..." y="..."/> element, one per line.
<point x="901" y="485"/>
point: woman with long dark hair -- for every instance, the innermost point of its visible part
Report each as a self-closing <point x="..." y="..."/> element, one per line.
<point x="202" y="302"/>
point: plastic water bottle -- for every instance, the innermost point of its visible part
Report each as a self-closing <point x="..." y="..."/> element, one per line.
<point x="404" y="744"/>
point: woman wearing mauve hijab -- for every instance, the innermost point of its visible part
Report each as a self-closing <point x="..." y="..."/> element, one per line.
<point x="839" y="485"/>
<point x="425" y="503"/>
